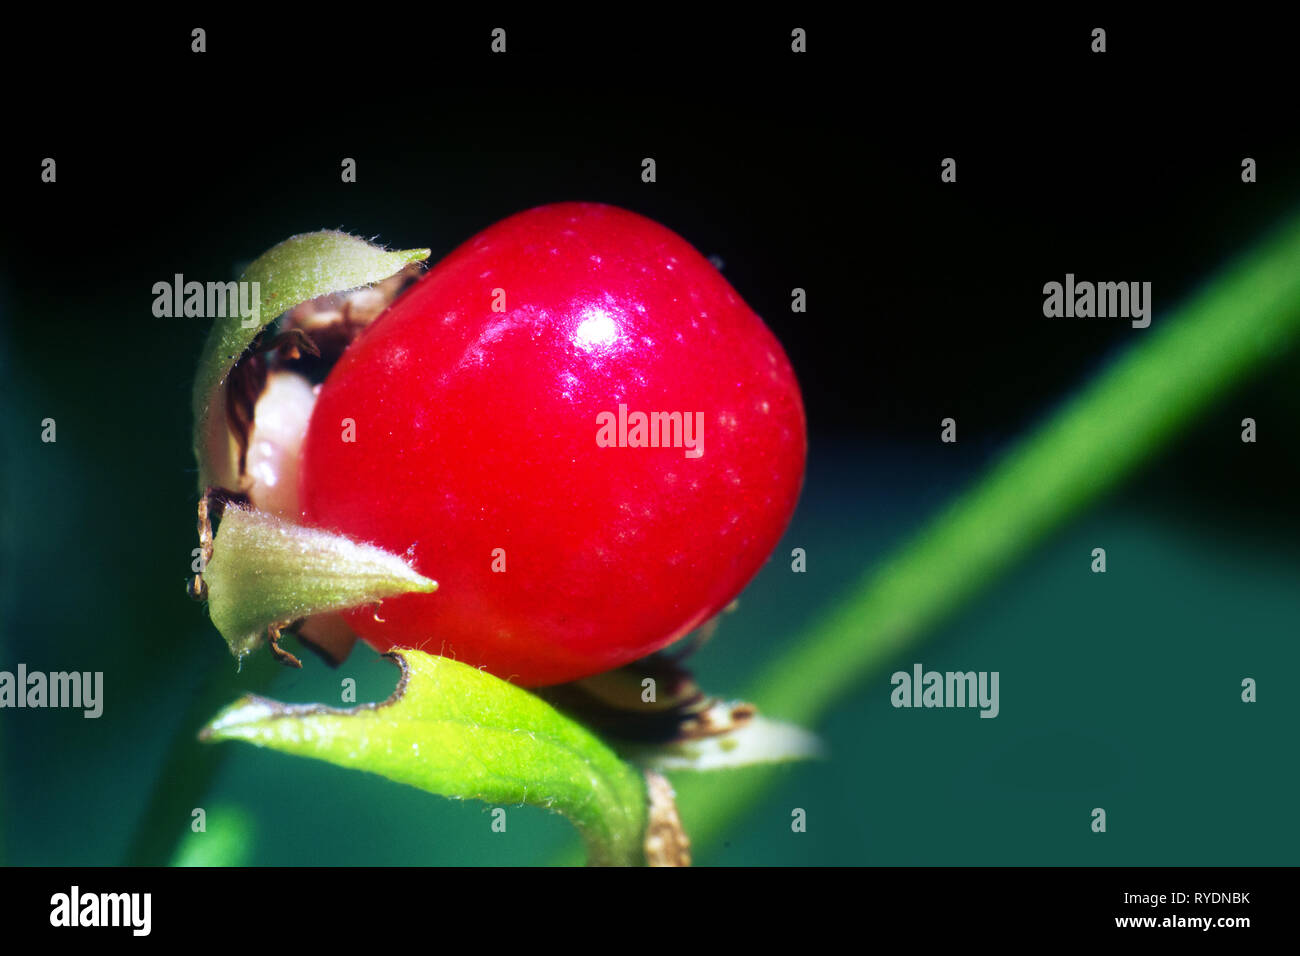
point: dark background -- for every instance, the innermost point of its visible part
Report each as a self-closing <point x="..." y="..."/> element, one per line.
<point x="820" y="171"/>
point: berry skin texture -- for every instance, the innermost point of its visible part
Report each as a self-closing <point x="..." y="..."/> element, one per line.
<point x="476" y="403"/>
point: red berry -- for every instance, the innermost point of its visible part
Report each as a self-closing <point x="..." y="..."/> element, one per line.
<point x="476" y="402"/>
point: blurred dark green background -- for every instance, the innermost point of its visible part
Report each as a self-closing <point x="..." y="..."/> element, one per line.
<point x="1118" y="690"/>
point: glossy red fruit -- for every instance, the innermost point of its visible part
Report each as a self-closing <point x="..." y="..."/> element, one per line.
<point x="477" y="402"/>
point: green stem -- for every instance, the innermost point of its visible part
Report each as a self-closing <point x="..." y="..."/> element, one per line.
<point x="1243" y="318"/>
<point x="228" y="839"/>
<point x="189" y="768"/>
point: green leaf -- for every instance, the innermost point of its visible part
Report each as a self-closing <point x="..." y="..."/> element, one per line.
<point x="759" y="741"/>
<point x="300" y="269"/>
<point x="265" y="570"/>
<point x="459" y="732"/>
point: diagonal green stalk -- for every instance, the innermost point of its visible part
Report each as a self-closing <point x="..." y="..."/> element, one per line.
<point x="1243" y="318"/>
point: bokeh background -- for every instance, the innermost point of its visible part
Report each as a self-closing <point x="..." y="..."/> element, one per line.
<point x="1118" y="690"/>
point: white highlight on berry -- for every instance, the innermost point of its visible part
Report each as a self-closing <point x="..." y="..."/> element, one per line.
<point x="596" y="332"/>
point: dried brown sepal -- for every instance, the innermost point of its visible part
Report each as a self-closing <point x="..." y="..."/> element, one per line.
<point x="244" y="387"/>
<point x="248" y="381"/>
<point x="616" y="703"/>
<point x="273" y="633"/>
<point x="334" y="321"/>
<point x="312" y="337"/>
<point x="719" y="718"/>
<point x="291" y="343"/>
<point x="211" y="504"/>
